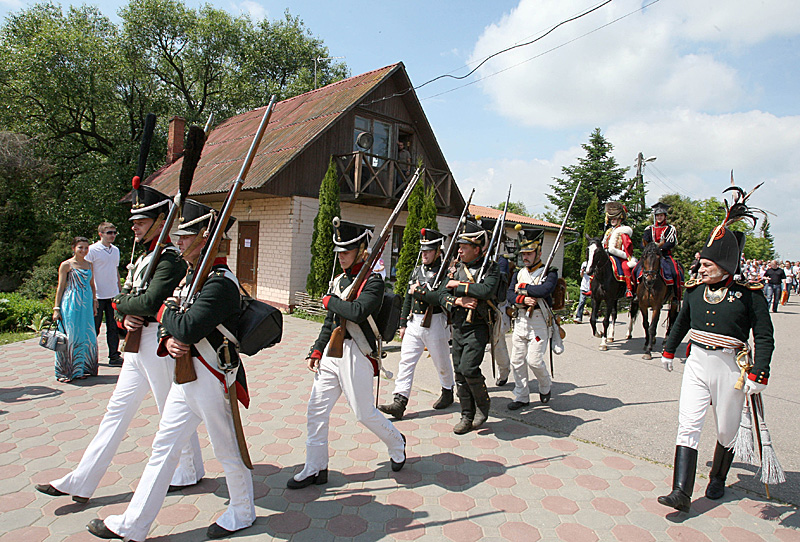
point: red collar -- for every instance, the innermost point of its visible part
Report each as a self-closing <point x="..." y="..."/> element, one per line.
<point x="154" y="242"/>
<point x="354" y="269"/>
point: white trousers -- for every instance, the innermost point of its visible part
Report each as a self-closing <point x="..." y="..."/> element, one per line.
<point x="140" y="373"/>
<point x="415" y="340"/>
<point x="529" y="344"/>
<point x="203" y="400"/>
<point x="501" y="358"/>
<point x="709" y="379"/>
<point x="352" y="374"/>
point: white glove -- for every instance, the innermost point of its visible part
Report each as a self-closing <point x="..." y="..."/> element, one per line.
<point x="667" y="363"/>
<point x="751" y="387"/>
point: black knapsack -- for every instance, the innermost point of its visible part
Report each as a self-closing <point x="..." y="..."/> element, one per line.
<point x="260" y="326"/>
<point x="388" y="317"/>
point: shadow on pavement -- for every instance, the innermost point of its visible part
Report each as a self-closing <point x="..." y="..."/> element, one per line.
<point x="27" y="393"/>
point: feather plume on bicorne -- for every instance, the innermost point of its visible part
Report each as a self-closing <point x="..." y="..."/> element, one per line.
<point x="195" y="140"/>
<point x="738" y="209"/>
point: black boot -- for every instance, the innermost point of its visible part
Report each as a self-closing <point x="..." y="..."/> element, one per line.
<point x="682" y="479"/>
<point x="723" y="458"/>
<point x="477" y="385"/>
<point x="467" y="407"/>
<point x="444" y="400"/>
<point x="397" y="408"/>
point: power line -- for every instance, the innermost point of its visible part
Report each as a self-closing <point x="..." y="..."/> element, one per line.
<point x="482" y="62"/>
<point x="666" y="180"/>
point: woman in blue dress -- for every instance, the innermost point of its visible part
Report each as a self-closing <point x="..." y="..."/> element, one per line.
<point x="76" y="304"/>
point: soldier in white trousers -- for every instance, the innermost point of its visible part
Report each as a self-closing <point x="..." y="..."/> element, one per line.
<point x="196" y="331"/>
<point x="502" y="323"/>
<point x="718" y="313"/>
<point x="530" y="292"/>
<point x="354" y="372"/>
<point x="416" y="338"/>
<point x="143" y="371"/>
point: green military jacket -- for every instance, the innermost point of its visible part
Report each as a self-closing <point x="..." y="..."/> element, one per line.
<point x="169" y="272"/>
<point x="368" y="303"/>
<point x="218" y="302"/>
<point x="423" y="276"/>
<point x="742" y="307"/>
<point x="484" y="291"/>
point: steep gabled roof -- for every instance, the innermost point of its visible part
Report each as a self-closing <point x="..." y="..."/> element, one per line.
<point x="294" y="125"/>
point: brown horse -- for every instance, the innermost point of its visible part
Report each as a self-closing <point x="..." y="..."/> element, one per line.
<point x="652" y="293"/>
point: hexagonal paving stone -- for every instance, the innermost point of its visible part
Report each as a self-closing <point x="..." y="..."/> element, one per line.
<point x="405" y="498"/>
<point x="289" y="522"/>
<point x="405" y="528"/>
<point x="346" y="525"/>
<point x="463" y="531"/>
<point x="457" y="502"/>
<point x="177" y="514"/>
<point x="611" y="507"/>
<point x="509" y="503"/>
<point x="682" y="533"/>
<point x="572" y="532"/>
<point x="737" y="534"/>
<point x="631" y="533"/>
<point x="560" y="505"/>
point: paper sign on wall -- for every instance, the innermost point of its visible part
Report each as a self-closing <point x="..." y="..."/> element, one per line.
<point x="247" y="243"/>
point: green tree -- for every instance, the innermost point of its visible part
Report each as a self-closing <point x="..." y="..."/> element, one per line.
<point x="592" y="224"/>
<point x="760" y="246"/>
<point x="600" y="176"/>
<point x="322" y="256"/>
<point x="517" y="207"/>
<point x="421" y="214"/>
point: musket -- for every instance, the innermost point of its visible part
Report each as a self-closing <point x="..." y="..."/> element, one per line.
<point x="191" y="156"/>
<point x="336" y="342"/>
<point x="493" y="242"/>
<point x="446" y="257"/>
<point x="184" y="368"/>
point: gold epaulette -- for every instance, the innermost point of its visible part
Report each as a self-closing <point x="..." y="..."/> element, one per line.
<point x="691" y="283"/>
<point x="756" y="286"/>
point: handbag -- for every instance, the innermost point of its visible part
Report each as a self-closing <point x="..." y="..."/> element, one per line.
<point x="53" y="339"/>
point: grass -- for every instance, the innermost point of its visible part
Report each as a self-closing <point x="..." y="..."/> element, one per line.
<point x="8" y="337"/>
<point x="308" y="316"/>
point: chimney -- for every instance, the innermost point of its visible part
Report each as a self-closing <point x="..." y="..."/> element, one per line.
<point x="175" y="139"/>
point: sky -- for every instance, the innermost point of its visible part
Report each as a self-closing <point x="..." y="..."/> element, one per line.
<point x="704" y="87"/>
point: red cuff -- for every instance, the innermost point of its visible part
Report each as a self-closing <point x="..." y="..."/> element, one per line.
<point x="160" y="313"/>
<point x="120" y="325"/>
<point x="161" y="350"/>
<point x="316" y="354"/>
<point x="756" y="378"/>
<point x="668" y="355"/>
<point x="523" y="285"/>
<point x="520" y="299"/>
<point x="325" y="301"/>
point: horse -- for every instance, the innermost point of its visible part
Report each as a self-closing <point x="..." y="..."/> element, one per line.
<point x="652" y="293"/>
<point x="605" y="287"/>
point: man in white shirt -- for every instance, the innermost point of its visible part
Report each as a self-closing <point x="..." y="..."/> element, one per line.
<point x="586" y="291"/>
<point x="105" y="262"/>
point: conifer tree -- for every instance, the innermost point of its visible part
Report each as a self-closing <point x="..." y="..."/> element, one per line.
<point x="592" y="223"/>
<point x="322" y="256"/>
<point x="421" y="214"/>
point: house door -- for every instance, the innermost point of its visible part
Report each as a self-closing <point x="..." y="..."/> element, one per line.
<point x="247" y="256"/>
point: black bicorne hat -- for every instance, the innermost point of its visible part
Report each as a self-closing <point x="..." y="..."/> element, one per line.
<point x="349" y="235"/>
<point x="198" y="217"/>
<point x="148" y="202"/>
<point x="473" y="234"/>
<point x="660" y="208"/>
<point x="724" y="248"/>
<point x="431" y="239"/>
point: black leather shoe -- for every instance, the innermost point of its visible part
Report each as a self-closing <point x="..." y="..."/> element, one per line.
<point x="545" y="397"/>
<point x="115" y="362"/>
<point x="318" y="479"/>
<point x="47" y="489"/>
<point x="516" y="405"/>
<point x="99" y="529"/>
<point x="501" y="382"/>
<point x="173" y="489"/>
<point x="215" y="531"/>
<point x="395" y="465"/>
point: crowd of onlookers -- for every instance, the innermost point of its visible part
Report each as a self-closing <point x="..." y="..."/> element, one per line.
<point x="780" y="278"/>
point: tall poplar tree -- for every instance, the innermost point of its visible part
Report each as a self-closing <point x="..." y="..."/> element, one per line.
<point x="322" y="257"/>
<point x="592" y="224"/>
<point x="421" y="214"/>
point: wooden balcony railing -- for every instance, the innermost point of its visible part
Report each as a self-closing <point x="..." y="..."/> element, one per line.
<point x="384" y="182"/>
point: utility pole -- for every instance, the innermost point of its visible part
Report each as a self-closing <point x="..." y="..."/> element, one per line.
<point x="639" y="180"/>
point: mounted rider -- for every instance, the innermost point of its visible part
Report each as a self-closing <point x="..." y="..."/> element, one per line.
<point x="617" y="242"/>
<point x="666" y="235"/>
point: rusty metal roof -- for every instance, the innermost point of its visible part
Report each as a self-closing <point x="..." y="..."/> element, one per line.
<point x="294" y="124"/>
<point x="489" y="212"/>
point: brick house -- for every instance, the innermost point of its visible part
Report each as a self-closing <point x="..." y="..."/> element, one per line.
<point x="357" y="121"/>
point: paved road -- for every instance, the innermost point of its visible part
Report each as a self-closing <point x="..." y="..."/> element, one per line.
<point x="589" y="466"/>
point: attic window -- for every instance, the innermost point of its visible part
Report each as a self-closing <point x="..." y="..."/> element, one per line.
<point x="381" y="138"/>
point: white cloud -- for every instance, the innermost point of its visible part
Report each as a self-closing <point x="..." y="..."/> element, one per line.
<point x="255" y="10"/>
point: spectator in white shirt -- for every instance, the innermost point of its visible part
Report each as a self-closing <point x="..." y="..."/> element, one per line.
<point x="105" y="261"/>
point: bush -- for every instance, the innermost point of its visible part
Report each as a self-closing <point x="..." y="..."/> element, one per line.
<point x="40" y="283"/>
<point x="18" y="312"/>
